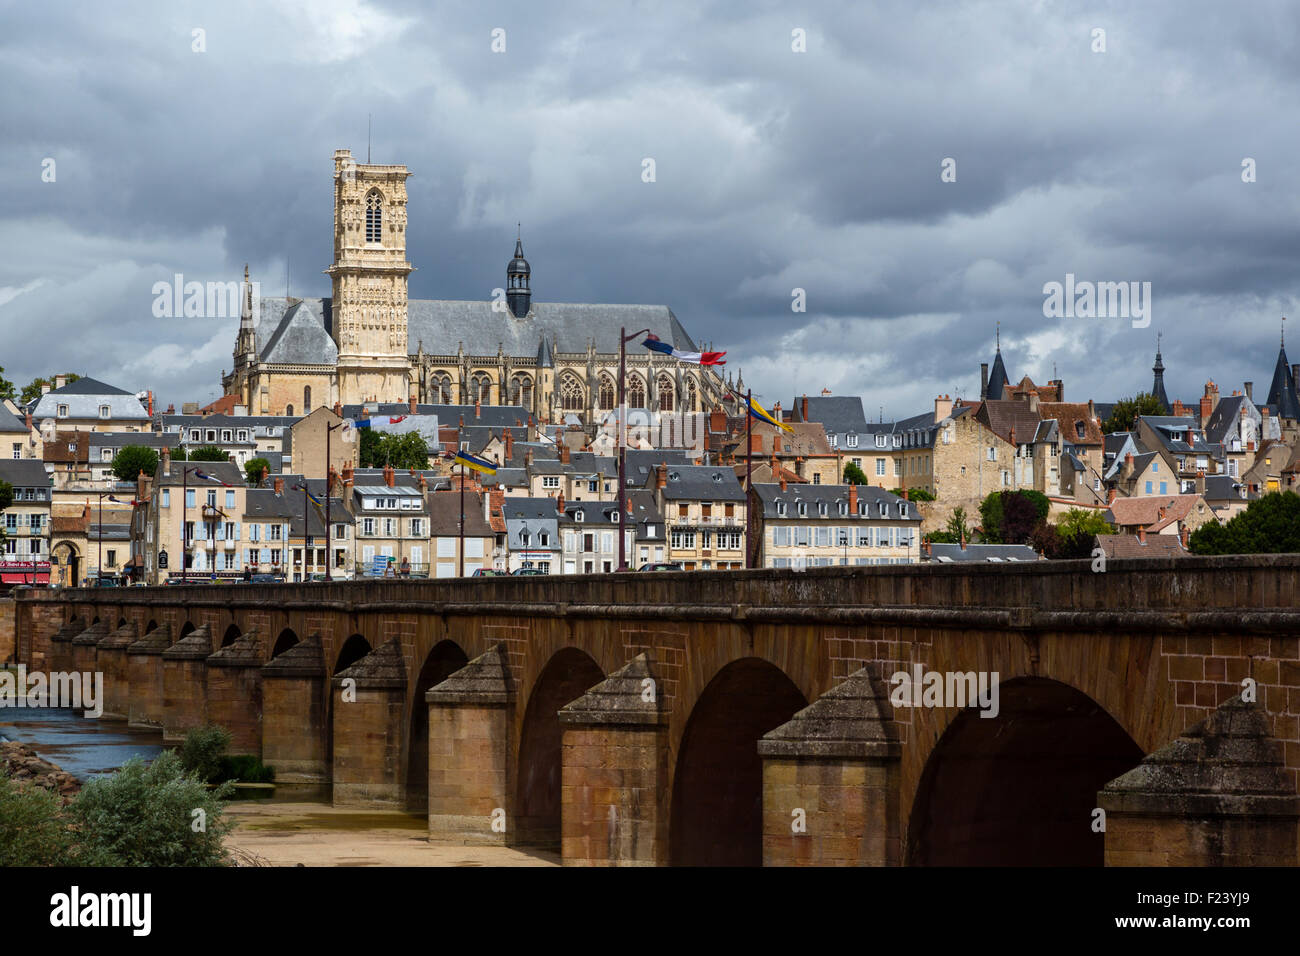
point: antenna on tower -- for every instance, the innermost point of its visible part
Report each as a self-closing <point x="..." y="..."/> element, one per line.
<point x="1283" y="342"/>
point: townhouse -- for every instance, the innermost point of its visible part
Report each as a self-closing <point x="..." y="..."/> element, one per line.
<point x="809" y="525"/>
<point x="391" y="520"/>
<point x="704" y="512"/>
<point x="90" y="405"/>
<point x="25" y="554"/>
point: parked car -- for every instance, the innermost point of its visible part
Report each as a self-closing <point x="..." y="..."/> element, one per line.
<point x="662" y="566"/>
<point x="268" y="579"/>
<point x="524" y="571"/>
<point x="487" y="573"/>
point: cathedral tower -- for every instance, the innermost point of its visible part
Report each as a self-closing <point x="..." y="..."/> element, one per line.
<point x="369" y="281"/>
<point x="519" y="294"/>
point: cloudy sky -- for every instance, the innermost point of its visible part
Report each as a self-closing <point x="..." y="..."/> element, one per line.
<point x="774" y="170"/>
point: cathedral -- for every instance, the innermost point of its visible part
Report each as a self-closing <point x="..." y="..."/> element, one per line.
<point x="368" y="343"/>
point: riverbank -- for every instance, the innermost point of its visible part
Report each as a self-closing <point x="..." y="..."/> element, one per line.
<point x="28" y="768"/>
<point x="316" y="834"/>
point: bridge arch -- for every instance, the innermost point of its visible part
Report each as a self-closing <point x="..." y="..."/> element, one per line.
<point x="286" y="640"/>
<point x="353" y="649"/>
<point x="151" y="626"/>
<point x="231" y="635"/>
<point x="186" y="629"/>
<point x="1019" y="789"/>
<point x="568" y="674"/>
<point x="444" y="659"/>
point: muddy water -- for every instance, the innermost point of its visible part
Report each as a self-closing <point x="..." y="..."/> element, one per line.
<point x="83" y="746"/>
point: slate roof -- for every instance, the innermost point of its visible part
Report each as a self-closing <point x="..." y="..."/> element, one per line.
<point x="444" y="514"/>
<point x="836" y="413"/>
<point x="1069" y="416"/>
<point x="83" y="398"/>
<point x="285" y="330"/>
<point x="1282" y="391"/>
<point x="997" y="378"/>
<point x="640" y="462"/>
<point x="24" y="472"/>
<point x="989" y="553"/>
<point x="1171" y="432"/>
<point x="702" y="483"/>
<point x="9" y="422"/>
<point x="832" y="496"/>
<point x="227" y="471"/>
<point x="1223" y="420"/>
<point x="1226" y="488"/>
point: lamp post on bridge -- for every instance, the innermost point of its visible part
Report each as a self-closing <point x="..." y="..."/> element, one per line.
<point x="623" y="339"/>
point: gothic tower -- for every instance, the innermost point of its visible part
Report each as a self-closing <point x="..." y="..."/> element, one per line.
<point x="1158" y="385"/>
<point x="369" y="281"/>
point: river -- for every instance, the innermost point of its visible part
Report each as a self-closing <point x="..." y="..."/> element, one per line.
<point x="83" y="746"/>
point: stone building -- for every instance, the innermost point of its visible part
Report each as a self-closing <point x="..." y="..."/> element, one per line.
<point x="367" y="342"/>
<point x="25" y="550"/>
<point x="805" y="525"/>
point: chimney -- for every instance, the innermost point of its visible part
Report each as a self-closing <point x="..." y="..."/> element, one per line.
<point x="478" y="407"/>
<point x="1092" y="411"/>
<point x="925" y="544"/>
<point x="487" y="507"/>
<point x="151" y="403"/>
<point x="661" y="475"/>
<point x="564" y="453"/>
<point x="166" y="460"/>
<point x="803" y="409"/>
<point x="347" y="471"/>
<point x="907" y="494"/>
<point x="853" y="499"/>
<point x="390" y="478"/>
<point x="1191" y="437"/>
<point x="1185" y="536"/>
<point x="776" y="447"/>
<point x="1142" y="534"/>
<point x="1250" y="391"/>
<point x="559" y="503"/>
<point x="424" y="485"/>
<point x="510" y="444"/>
<point x="331" y="479"/>
<point x="279" y="485"/>
<point x="1200" y="481"/>
<point x="1126" y="472"/>
<point x="27" y="419"/>
<point x="1110" y="496"/>
<point x="411" y="405"/>
<point x="1207" y="406"/>
<point x="942" y="408"/>
<point x="262" y="477"/>
<point x="963" y="539"/>
<point x="717" y="421"/>
<point x="984" y="380"/>
<point x="1160" y="513"/>
<point x="60" y="381"/>
<point x="783" y="487"/>
<point x="45" y="388"/>
<point x="338" y="409"/>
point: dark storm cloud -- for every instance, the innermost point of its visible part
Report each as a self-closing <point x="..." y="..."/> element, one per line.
<point x="775" y="170"/>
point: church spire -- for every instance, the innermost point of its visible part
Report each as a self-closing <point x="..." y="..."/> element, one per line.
<point x="1282" y="393"/>
<point x="1158" y="383"/>
<point x="998" y="375"/>
<point x="519" y="294"/>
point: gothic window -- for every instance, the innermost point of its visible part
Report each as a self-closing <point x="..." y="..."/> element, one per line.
<point x="521" y="390"/>
<point x="635" y="392"/>
<point x="440" y="390"/>
<point x="571" y="397"/>
<point x="288" y="410"/>
<point x="664" y="385"/>
<point x="692" y="399"/>
<point x="374" y="216"/>
<point x="306" y="399"/>
<point x="607" y="393"/>
<point x="480" y="388"/>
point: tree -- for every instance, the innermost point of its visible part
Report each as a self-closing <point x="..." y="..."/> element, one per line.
<point x="853" y="475"/>
<point x="149" y="815"/>
<point x="1010" y="517"/>
<point x="1124" y="416"/>
<point x="407" y="450"/>
<point x="370" y="454"/>
<point x="1074" y="537"/>
<point x="32" y="829"/>
<point x="1269" y="525"/>
<point x="253" y="469"/>
<point x="1078" y="521"/>
<point x="132" y="460"/>
<point x="955" y="532"/>
<point x="209" y="453"/>
<point x="33" y="388"/>
<point x="6" y="387"/>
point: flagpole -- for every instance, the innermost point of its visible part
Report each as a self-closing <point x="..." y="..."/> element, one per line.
<point x="623" y="339"/>
<point x="749" y="470"/>
<point x="460" y="544"/>
<point x="99" y="561"/>
<point x="185" y="492"/>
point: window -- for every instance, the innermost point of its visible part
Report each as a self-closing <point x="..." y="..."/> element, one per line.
<point x="780" y="509"/>
<point x="852" y="441"/>
<point x="803" y="509"/>
<point x="821" y="509"/>
<point x="194" y="434"/>
<point x="212" y="434"/>
<point x="880" y="441"/>
<point x="1148" y="487"/>
<point x="817" y="479"/>
<point x="1164" y="486"/>
<point x="243" y="434"/>
<point x="550" y="481"/>
<point x="1155" y="466"/>
<point x="212" y="499"/>
<point x="189" y="497"/>
<point x="579" y="516"/>
<point x="880" y="466"/>
<point x="374" y="216"/>
<point x="230" y="499"/>
<point x="106" y="454"/>
<point x="992" y="453"/>
<point x="63" y="411"/>
<point x="1006" y="478"/>
<point x="368" y="526"/>
<point x="18" y="449"/>
<point x="844" y="508"/>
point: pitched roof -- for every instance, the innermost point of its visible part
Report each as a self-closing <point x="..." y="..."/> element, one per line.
<point x="24" y="472"/>
<point x="702" y="482"/>
<point x="1282" y="392"/>
<point x="994" y="553"/>
<point x="300" y="338"/>
<point x="1145" y="510"/>
<point x="1130" y="546"/>
<point x="997" y="377"/>
<point x="1003" y="415"/>
<point x="9" y="422"/>
<point x="84" y="397"/>
<point x="1069" y="416"/>
<point x="836" y="413"/>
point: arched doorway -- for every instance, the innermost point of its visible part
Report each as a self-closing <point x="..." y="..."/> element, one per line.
<point x="444" y="659"/>
<point x="567" y="676"/>
<point x="717" y="810"/>
<point x="354" y="648"/>
<point x="67" y="561"/>
<point x="1019" y="789"/>
<point x="286" y="640"/>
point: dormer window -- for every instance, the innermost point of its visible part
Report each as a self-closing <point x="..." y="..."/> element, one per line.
<point x="880" y="441"/>
<point x="902" y="508"/>
<point x="852" y="441"/>
<point x="862" y="509"/>
<point x="803" y="509"/>
<point x="780" y="509"/>
<point x="104" y="411"/>
<point x="578" y="516"/>
<point x="898" y="441"/>
<point x="844" y="508"/>
<point x="1080" y="430"/>
<point x="63" y="411"/>
<point x="194" y="434"/>
<point x="884" y="510"/>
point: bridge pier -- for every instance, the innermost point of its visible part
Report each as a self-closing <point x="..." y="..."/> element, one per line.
<point x="59" y="657"/>
<point x="369" y="703"/>
<point x="34" y="628"/>
<point x="115" y="664"/>
<point x="614" y="772"/>
<point x="295" y="727"/>
<point x="185" y="685"/>
<point x="1218" y="795"/>
<point x="471" y="785"/>
<point x="831" y="783"/>
<point x="84" y="651"/>
<point x="234" y="693"/>
<point x="145" y="664"/>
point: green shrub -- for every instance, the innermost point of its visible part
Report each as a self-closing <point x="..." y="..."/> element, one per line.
<point x="202" y="752"/>
<point x="246" y="768"/>
<point x="151" y="815"/>
<point x="33" y="831"/>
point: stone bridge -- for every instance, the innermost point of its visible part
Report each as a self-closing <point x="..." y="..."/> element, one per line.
<point x="747" y="717"/>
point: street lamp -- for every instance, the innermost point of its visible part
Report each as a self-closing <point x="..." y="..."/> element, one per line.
<point x="329" y="547"/>
<point x="185" y="504"/>
<point x="624" y="338"/>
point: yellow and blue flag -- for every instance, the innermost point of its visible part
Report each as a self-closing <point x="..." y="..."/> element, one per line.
<point x="763" y="415"/>
<point x="467" y="460"/>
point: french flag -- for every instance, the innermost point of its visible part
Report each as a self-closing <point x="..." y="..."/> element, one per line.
<point x="203" y="475"/>
<point x="695" y="358"/>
